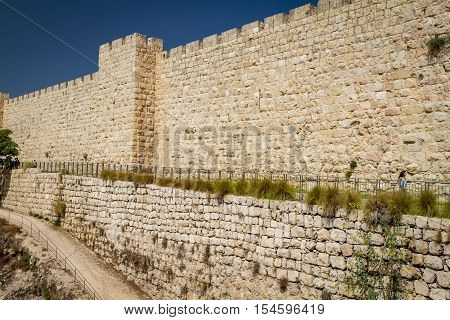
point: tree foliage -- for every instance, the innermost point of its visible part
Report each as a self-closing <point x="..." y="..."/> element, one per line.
<point x="8" y="149"/>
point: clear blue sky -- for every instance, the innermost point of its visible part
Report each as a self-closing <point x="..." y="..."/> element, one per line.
<point x="31" y="59"/>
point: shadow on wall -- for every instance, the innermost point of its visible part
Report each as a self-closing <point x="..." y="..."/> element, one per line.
<point x="5" y="181"/>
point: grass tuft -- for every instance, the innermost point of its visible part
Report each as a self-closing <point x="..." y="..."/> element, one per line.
<point x="222" y="188"/>
<point x="242" y="187"/>
<point x="427" y="203"/>
<point x="314" y="195"/>
<point x="283" y="191"/>
<point x="59" y="207"/>
<point x="331" y="201"/>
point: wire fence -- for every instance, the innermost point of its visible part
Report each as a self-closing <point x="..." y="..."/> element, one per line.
<point x="302" y="181"/>
<point x="28" y="226"/>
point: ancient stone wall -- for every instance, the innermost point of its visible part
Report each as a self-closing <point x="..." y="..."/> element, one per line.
<point x="311" y="91"/>
<point x="95" y="116"/>
<point x="3" y="98"/>
<point x="185" y="244"/>
<point x="308" y="91"/>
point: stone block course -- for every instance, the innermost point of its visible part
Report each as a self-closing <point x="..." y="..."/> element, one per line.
<point x="167" y="238"/>
<point x="308" y="91"/>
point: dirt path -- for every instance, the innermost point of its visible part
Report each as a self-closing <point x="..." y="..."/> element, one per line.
<point x="109" y="283"/>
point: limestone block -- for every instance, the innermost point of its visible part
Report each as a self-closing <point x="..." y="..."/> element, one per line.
<point x="433" y="262"/>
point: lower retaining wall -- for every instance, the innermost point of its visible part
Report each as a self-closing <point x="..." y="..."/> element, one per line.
<point x="184" y="244"/>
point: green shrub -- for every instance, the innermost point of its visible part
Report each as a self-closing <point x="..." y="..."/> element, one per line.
<point x="331" y="201"/>
<point x="377" y="207"/>
<point x="204" y="186"/>
<point x="142" y="178"/>
<point x="428" y="203"/>
<point x="389" y="207"/>
<point x="282" y="190"/>
<point x="59" y="207"/>
<point x="376" y="272"/>
<point x="187" y="184"/>
<point x="283" y="283"/>
<point x="265" y="189"/>
<point x="400" y="203"/>
<point x="222" y="188"/>
<point x="351" y="200"/>
<point x="314" y="195"/>
<point x="57" y="222"/>
<point x="164" y="182"/>
<point x="348" y="175"/>
<point x="104" y="175"/>
<point x="64" y="172"/>
<point x="242" y="187"/>
<point x="108" y="175"/>
<point x="28" y="165"/>
<point x="253" y="187"/>
<point x="177" y="183"/>
<point x="124" y="176"/>
<point x="436" y="44"/>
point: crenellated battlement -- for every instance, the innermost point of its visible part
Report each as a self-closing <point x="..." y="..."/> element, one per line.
<point x="324" y="9"/>
<point x="130" y="41"/>
<point x="133" y="39"/>
<point x="64" y="85"/>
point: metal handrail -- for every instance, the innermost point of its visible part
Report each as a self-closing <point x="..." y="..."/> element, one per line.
<point x="36" y="233"/>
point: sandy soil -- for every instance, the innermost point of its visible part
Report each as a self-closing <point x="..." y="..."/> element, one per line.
<point x="109" y="283"/>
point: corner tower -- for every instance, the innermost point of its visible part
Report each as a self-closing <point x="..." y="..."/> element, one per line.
<point x="134" y="57"/>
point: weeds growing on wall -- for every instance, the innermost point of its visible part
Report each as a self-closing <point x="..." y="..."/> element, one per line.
<point x="241" y="187"/>
<point x="256" y="268"/>
<point x="353" y="165"/>
<point x="264" y="189"/>
<point x="384" y="206"/>
<point x="222" y="188"/>
<point x="187" y="184"/>
<point x="314" y="196"/>
<point x="28" y="165"/>
<point x="143" y="178"/>
<point x="331" y="201"/>
<point x="351" y="200"/>
<point x="388" y="207"/>
<point x="282" y="284"/>
<point x="282" y="190"/>
<point x="204" y="186"/>
<point x="376" y="272"/>
<point x="428" y="203"/>
<point x="437" y="43"/>
<point x="184" y="291"/>
<point x="207" y="255"/>
<point x="164" y="182"/>
<point x="135" y="177"/>
<point x="400" y="203"/>
<point x="59" y="208"/>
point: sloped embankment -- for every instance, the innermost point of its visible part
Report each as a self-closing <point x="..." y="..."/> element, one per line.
<point x="28" y="271"/>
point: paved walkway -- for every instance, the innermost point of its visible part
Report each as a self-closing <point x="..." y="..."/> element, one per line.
<point x="109" y="283"/>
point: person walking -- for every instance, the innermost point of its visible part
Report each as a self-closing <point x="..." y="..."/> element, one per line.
<point x="402" y="181"/>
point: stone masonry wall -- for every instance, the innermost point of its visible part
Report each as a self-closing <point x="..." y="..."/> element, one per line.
<point x="185" y="244"/>
<point x="95" y="115"/>
<point x="3" y="98"/>
<point x="312" y="90"/>
<point x="309" y="91"/>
